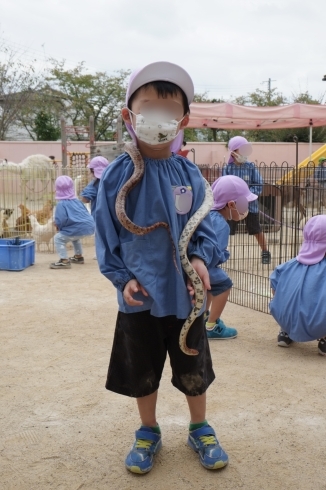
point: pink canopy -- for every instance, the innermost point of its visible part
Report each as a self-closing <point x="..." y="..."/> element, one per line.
<point x="231" y="116"/>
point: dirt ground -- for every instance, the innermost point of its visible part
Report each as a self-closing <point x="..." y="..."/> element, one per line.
<point x="60" y="428"/>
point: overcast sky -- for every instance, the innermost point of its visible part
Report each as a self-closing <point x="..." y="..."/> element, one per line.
<point x="229" y="47"/>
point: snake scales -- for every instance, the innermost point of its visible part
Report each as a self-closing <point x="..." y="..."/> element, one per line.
<point x="189" y="229"/>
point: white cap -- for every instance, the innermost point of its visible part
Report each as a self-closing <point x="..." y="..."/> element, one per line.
<point x="161" y="70"/>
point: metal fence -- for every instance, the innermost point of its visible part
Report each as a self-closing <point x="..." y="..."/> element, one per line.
<point x="27" y="200"/>
<point x="287" y="200"/>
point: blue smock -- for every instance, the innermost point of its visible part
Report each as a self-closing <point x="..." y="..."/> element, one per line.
<point x="320" y="174"/>
<point x="248" y="172"/>
<point x="90" y="193"/>
<point x="299" y="305"/>
<point x="123" y="256"/>
<point x="73" y="219"/>
<point x="222" y="232"/>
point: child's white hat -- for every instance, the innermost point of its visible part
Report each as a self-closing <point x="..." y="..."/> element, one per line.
<point x="164" y="71"/>
<point x="313" y="249"/>
<point x="230" y="188"/>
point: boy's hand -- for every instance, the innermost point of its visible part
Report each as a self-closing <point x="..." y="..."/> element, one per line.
<point x="132" y="287"/>
<point x="201" y="269"/>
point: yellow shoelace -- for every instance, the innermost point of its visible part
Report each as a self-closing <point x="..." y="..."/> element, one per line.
<point x="143" y="444"/>
<point x="208" y="440"/>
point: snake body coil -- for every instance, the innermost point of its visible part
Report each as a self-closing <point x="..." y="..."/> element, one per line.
<point x="188" y="231"/>
<point x="195" y="220"/>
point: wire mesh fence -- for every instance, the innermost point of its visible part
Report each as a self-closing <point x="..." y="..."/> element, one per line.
<point x="287" y="200"/>
<point x="27" y="200"/>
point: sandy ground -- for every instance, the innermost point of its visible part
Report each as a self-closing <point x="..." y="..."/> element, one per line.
<point x="60" y="428"/>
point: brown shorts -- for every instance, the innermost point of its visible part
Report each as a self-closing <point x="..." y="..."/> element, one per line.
<point x="141" y="342"/>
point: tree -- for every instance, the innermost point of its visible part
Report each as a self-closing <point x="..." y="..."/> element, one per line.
<point x="209" y="134"/>
<point x="44" y="100"/>
<point x="45" y="128"/>
<point x="262" y="98"/>
<point x="17" y="84"/>
<point x="83" y="95"/>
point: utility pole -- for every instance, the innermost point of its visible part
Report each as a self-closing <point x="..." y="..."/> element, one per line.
<point x="269" y="88"/>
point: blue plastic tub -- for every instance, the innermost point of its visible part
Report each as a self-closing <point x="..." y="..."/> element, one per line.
<point x="16" y="254"/>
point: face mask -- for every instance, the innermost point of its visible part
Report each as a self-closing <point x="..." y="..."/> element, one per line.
<point x="153" y="130"/>
<point x="242" y="208"/>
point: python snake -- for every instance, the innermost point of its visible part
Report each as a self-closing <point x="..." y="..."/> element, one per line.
<point x="189" y="229"/>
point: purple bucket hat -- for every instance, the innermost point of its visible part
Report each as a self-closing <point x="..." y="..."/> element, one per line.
<point x="165" y="71"/>
<point x="64" y="188"/>
<point x="313" y="248"/>
<point x="230" y="188"/>
<point x="235" y="143"/>
<point x="98" y="164"/>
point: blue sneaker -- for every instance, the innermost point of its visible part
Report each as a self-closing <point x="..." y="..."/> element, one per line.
<point x="146" y="445"/>
<point x="221" y="331"/>
<point x="205" y="443"/>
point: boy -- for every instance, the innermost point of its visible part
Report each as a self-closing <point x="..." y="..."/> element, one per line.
<point x="89" y="194"/>
<point x="153" y="297"/>
<point x="298" y="287"/>
<point x="231" y="198"/>
<point x="238" y="165"/>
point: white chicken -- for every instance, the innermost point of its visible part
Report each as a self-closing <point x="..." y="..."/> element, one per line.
<point x="42" y="233"/>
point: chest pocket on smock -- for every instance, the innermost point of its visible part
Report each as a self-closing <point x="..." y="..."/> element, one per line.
<point x="183" y="197"/>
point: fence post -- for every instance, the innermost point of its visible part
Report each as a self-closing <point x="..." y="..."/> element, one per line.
<point x="91" y="131"/>
<point x="63" y="145"/>
<point x="297" y="196"/>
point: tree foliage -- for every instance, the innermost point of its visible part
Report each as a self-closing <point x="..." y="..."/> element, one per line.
<point x="45" y="127"/>
<point x="36" y="102"/>
<point x="44" y="101"/>
<point x="84" y="94"/>
<point x="18" y="82"/>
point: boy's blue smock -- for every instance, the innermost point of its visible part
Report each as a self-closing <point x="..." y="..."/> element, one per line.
<point x="222" y="232"/>
<point x="248" y="172"/>
<point x="123" y="256"/>
<point x="299" y="305"/>
<point x="90" y="193"/>
<point x="73" y="219"/>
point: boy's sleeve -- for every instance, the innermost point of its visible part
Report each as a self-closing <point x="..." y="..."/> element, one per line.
<point x="274" y="278"/>
<point x="89" y="192"/>
<point x="257" y="182"/>
<point x="60" y="217"/>
<point x="107" y="234"/>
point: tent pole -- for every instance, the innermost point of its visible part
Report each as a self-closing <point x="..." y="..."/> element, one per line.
<point x="310" y="141"/>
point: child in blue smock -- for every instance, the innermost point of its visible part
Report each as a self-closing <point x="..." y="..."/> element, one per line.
<point x="72" y="221"/>
<point x="231" y="198"/>
<point x="299" y="290"/>
<point x="89" y="194"/>
<point x="239" y="165"/>
<point x="153" y="297"/>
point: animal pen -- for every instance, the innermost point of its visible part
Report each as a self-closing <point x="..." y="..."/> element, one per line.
<point x="287" y="200"/>
<point x="290" y="195"/>
<point x="27" y="189"/>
